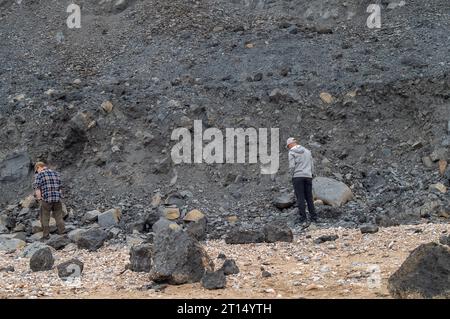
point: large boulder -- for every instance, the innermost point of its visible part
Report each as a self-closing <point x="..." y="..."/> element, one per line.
<point x="70" y="269"/>
<point x="109" y="218"/>
<point x="42" y="260"/>
<point x="331" y="191"/>
<point x="11" y="244"/>
<point x="239" y="235"/>
<point x="214" y="279"/>
<point x="32" y="248"/>
<point x="178" y="258"/>
<point x="277" y="232"/>
<point x="424" y="274"/>
<point x="141" y="258"/>
<point x="92" y="239"/>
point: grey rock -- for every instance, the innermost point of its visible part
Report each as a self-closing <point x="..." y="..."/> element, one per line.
<point x="141" y="258"/>
<point x="239" y="235"/>
<point x="42" y="260"/>
<point x="284" y="200"/>
<point x="214" y="280"/>
<point x="427" y="162"/>
<point x="198" y="228"/>
<point x="15" y="167"/>
<point x="266" y="274"/>
<point x="439" y="154"/>
<point x="445" y="240"/>
<point x="229" y="267"/>
<point x="325" y="238"/>
<point x="3" y="229"/>
<point x="109" y="218"/>
<point x="368" y="229"/>
<point x="7" y="269"/>
<point x="75" y="234"/>
<point x="424" y="274"/>
<point x="11" y="244"/>
<point x="90" y="217"/>
<point x="221" y="256"/>
<point x="178" y="258"/>
<point x="278" y="232"/>
<point x="32" y="248"/>
<point x="58" y="242"/>
<point x="175" y="199"/>
<point x="331" y="191"/>
<point x="92" y="239"/>
<point x="70" y="269"/>
<point x="161" y="225"/>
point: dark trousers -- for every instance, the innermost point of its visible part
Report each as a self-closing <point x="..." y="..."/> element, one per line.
<point x="46" y="210"/>
<point x="303" y="191"/>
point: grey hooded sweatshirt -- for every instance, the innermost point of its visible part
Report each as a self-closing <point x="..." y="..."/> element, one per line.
<point x="301" y="162"/>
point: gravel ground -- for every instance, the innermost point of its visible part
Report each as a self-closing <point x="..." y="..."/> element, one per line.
<point x="346" y="268"/>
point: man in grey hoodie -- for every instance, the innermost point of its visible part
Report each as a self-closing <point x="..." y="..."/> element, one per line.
<point x="301" y="167"/>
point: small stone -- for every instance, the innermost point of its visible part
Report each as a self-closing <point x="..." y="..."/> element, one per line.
<point x="229" y="267"/>
<point x="218" y="29"/>
<point x="427" y="162"/>
<point x="7" y="269"/>
<point x="213" y="279"/>
<point x="107" y="106"/>
<point x="439" y="187"/>
<point x="325" y="238"/>
<point x="368" y="229"/>
<point x="194" y="216"/>
<point x="156" y="200"/>
<point x="326" y="97"/>
<point x="58" y="242"/>
<point x="172" y="213"/>
<point x="266" y="274"/>
<point x="442" y="167"/>
<point x="313" y="287"/>
<point x="232" y="219"/>
<point x="439" y="154"/>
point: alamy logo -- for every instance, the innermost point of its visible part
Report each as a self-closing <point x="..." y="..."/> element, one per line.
<point x="74" y="19"/>
<point x="229" y="149"/>
<point x="374" y="20"/>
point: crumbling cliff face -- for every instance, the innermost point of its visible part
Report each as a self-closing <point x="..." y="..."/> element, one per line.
<point x="100" y="102"/>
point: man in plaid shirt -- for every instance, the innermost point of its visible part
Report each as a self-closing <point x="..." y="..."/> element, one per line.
<point x="48" y="190"/>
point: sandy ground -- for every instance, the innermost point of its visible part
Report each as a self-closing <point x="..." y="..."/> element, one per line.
<point x="354" y="266"/>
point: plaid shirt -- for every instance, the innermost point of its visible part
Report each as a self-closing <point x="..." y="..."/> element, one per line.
<point x="49" y="183"/>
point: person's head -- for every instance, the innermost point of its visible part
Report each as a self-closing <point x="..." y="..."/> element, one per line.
<point x="291" y="142"/>
<point x="39" y="167"/>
